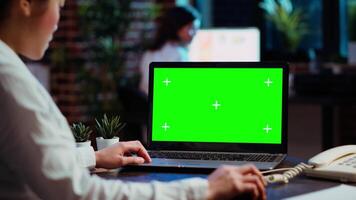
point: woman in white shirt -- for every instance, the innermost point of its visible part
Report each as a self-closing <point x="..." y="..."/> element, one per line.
<point x="38" y="158"/>
<point x="176" y="29"/>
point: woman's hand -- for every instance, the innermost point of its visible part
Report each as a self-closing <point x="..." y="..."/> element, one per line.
<point x="120" y="154"/>
<point x="228" y="182"/>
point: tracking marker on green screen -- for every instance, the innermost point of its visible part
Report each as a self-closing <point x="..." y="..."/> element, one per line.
<point x="220" y="105"/>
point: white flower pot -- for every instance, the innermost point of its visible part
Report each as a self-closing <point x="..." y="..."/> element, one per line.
<point x="83" y="144"/>
<point x="352" y="52"/>
<point x="102" y="143"/>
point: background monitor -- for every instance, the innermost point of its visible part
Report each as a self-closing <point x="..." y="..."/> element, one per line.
<point x="237" y="44"/>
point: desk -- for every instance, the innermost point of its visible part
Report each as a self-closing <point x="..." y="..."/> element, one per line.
<point x="297" y="186"/>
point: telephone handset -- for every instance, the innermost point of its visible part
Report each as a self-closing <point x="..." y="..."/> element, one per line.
<point x="338" y="163"/>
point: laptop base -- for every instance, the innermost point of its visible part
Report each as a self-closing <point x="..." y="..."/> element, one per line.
<point x="206" y="164"/>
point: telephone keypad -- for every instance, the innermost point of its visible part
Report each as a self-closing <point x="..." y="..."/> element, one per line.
<point x="350" y="162"/>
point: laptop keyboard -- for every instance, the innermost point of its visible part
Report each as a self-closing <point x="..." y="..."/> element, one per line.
<point x="215" y="156"/>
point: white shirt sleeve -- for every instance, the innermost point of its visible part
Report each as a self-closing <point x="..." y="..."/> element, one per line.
<point x="86" y="157"/>
<point x="188" y="189"/>
<point x="39" y="158"/>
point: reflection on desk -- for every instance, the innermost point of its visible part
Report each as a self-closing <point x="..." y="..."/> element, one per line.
<point x="297" y="186"/>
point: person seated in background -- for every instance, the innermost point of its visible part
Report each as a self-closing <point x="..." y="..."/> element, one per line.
<point x="38" y="157"/>
<point x="175" y="30"/>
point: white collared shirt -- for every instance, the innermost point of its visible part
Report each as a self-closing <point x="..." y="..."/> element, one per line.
<point x="38" y="157"/>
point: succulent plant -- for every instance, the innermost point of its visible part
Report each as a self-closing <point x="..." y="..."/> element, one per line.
<point x="108" y="128"/>
<point x="81" y="132"/>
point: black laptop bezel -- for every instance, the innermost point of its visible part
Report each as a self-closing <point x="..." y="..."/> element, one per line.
<point x="221" y="147"/>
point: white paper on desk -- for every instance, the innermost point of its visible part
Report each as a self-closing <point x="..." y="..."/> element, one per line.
<point x="344" y="192"/>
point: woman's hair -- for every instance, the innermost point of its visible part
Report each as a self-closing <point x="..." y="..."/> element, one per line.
<point x="171" y="22"/>
<point x="4" y="8"/>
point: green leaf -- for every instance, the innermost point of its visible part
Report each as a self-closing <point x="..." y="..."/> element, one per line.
<point x="109" y="127"/>
<point x="288" y="21"/>
<point x="81" y="132"/>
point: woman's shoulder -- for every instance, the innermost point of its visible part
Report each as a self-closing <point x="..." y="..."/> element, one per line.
<point x="174" y="51"/>
<point x="18" y="85"/>
<point x="168" y="52"/>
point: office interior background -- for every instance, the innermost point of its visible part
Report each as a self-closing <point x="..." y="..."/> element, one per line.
<point x="92" y="66"/>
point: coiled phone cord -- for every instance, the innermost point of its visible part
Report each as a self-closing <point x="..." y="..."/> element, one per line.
<point x="287" y="175"/>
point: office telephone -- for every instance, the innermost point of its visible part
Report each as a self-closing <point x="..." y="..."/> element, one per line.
<point x="338" y="163"/>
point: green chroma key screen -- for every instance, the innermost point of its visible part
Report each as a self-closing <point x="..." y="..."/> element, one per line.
<point x="224" y="105"/>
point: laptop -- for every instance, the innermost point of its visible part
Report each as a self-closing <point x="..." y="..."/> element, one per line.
<point x="205" y="114"/>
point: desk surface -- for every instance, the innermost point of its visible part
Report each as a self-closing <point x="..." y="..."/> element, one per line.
<point x="297" y="186"/>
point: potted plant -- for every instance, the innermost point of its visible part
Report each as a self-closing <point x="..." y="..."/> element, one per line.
<point x="109" y="130"/>
<point x="287" y="20"/>
<point x="81" y="134"/>
<point x="352" y="35"/>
